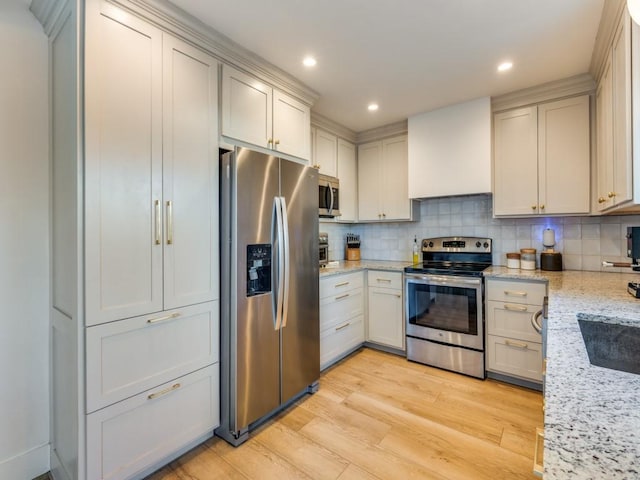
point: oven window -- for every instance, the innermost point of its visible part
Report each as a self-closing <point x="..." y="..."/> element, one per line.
<point x="453" y="309"/>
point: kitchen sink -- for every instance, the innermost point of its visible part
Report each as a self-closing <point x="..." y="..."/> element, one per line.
<point x="612" y="345"/>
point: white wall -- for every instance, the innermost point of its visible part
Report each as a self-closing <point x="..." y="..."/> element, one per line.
<point x="24" y="200"/>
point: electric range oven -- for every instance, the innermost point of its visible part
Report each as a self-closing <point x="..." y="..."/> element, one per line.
<point x="444" y="310"/>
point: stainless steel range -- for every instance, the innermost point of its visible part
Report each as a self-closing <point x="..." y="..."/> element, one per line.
<point x="444" y="309"/>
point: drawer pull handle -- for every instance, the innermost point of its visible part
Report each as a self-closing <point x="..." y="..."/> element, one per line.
<point x="343" y="284"/>
<point x="163" y="319"/>
<point x="387" y="280"/>
<point x="514" y="293"/>
<point x="170" y="389"/>
<point x="513" y="343"/>
<point x="342" y="296"/>
<point x="343" y="326"/>
<point x="515" y="308"/>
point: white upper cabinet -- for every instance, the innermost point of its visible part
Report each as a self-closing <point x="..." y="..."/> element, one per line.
<point x="150" y="172"/>
<point x="348" y="175"/>
<point x="614" y="123"/>
<point x="542" y="159"/>
<point x="325" y="152"/>
<point x="255" y="113"/>
<point x="451" y="139"/>
<point x="382" y="181"/>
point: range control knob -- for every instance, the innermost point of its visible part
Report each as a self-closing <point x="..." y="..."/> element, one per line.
<point x="486" y="245"/>
<point x="430" y="244"/>
<point x="478" y="244"/>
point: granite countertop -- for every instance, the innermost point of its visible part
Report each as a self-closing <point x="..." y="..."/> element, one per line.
<point x="344" y="266"/>
<point x="592" y="414"/>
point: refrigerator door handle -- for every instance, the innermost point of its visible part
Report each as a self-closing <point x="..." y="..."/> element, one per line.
<point x="285" y="250"/>
<point x="281" y="262"/>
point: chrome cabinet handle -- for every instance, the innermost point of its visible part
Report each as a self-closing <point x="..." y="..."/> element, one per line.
<point x="343" y="326"/>
<point x="163" y="319"/>
<point x="169" y="222"/>
<point x="158" y="231"/>
<point x="513" y="343"/>
<point x="515" y="308"/>
<point x="170" y="389"/>
<point x="537" y="326"/>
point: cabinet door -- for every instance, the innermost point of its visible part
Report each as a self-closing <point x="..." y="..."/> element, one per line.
<point x="385" y="317"/>
<point x="325" y="152"/>
<point x="291" y="125"/>
<point x="394" y="189"/>
<point x="348" y="175"/>
<point x="516" y="162"/>
<point x="369" y="164"/>
<point x="621" y="75"/>
<point x="123" y="167"/>
<point x="604" y="132"/>
<point x="190" y="175"/>
<point x="246" y="108"/>
<point x="563" y="156"/>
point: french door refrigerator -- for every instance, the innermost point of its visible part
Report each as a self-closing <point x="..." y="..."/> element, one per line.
<point x="270" y="347"/>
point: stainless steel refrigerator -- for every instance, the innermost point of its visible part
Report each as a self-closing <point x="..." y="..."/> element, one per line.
<point x="270" y="332"/>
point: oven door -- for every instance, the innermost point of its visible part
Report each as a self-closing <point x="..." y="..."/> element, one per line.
<point x="445" y="309"/>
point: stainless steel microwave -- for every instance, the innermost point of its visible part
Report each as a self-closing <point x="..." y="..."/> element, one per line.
<point x="329" y="196"/>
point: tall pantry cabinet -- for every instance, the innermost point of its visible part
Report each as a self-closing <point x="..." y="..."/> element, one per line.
<point x="134" y="330"/>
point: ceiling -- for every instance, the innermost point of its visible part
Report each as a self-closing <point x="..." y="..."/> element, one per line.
<point x="409" y="56"/>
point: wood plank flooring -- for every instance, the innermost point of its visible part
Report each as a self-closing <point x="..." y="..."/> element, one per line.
<point x="378" y="416"/>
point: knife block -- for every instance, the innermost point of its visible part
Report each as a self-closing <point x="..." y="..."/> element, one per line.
<point x="352" y="254"/>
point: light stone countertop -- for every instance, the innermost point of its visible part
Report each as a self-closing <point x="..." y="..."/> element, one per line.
<point x="592" y="414"/>
<point x="345" y="266"/>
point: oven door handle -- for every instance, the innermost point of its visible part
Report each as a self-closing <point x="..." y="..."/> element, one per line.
<point x="443" y="280"/>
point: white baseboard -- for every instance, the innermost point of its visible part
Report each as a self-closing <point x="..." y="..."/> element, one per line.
<point x="27" y="465"/>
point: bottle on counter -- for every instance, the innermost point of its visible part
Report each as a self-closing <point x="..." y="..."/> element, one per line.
<point x="416" y="251"/>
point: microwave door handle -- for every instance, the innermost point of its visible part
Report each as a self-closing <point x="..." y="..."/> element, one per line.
<point x="331" y="197"/>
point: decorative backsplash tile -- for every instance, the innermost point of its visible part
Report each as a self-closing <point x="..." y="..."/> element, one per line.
<point x="583" y="241"/>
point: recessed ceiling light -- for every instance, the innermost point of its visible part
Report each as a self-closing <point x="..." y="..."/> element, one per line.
<point x="504" y="66"/>
<point x="373" y="107"/>
<point x="309" y="62"/>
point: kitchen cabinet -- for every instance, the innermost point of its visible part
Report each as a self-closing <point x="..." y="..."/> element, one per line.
<point x="325" y="152"/>
<point x="383" y="181"/>
<point x="134" y="226"/>
<point x="613" y="124"/>
<point x="385" y="323"/>
<point x="258" y="114"/>
<point x="348" y="175"/>
<point x="514" y="347"/>
<point x="542" y="159"/>
<point x="341" y="316"/>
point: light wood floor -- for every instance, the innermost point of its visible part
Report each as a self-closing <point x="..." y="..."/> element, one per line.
<point x="378" y="416"/>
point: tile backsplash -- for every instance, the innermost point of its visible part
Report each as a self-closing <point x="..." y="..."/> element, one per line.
<point x="583" y="241"/>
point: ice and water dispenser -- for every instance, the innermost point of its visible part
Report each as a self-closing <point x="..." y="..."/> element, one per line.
<point x="258" y="269"/>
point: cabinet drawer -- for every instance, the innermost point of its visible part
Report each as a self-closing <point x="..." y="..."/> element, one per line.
<point x="531" y="293"/>
<point x="129" y="356"/>
<point x="513" y="320"/>
<point x="514" y="357"/>
<point x="340" y="339"/>
<point x="336" y="284"/>
<point x="339" y="308"/>
<point x="133" y="435"/>
<point x="382" y="279"/>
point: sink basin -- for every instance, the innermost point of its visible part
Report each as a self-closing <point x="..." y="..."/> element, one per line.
<point x="611" y="345"/>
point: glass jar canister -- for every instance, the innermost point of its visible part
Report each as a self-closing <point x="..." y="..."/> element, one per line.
<point x="528" y="258"/>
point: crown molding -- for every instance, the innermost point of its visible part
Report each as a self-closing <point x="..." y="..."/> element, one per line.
<point x="611" y="13"/>
<point x="324" y="123"/>
<point x="567" y="87"/>
<point x="378" y="133"/>
<point x="48" y="13"/>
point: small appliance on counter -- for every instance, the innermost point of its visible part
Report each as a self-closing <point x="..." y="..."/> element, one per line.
<point x="550" y="260"/>
<point x="323" y="245"/>
<point x="633" y="252"/>
<point x="352" y="247"/>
